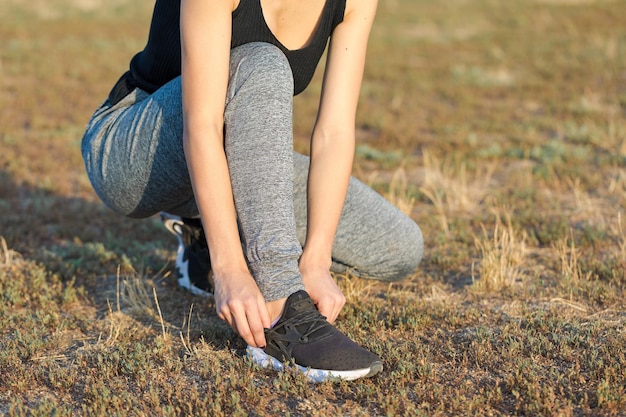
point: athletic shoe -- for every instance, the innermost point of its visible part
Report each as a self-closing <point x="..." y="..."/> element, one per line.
<point x="193" y="265"/>
<point x="302" y="336"/>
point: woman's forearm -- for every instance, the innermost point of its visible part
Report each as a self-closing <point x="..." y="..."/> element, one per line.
<point x="329" y="175"/>
<point x="332" y="144"/>
<point x="211" y="182"/>
<point x="204" y="73"/>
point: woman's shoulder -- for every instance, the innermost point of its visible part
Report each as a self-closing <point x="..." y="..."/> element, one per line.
<point x="367" y="6"/>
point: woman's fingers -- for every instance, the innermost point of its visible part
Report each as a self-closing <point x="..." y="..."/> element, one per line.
<point x="248" y="316"/>
<point x="257" y="333"/>
<point x="331" y="305"/>
<point x="324" y="291"/>
<point x="249" y="324"/>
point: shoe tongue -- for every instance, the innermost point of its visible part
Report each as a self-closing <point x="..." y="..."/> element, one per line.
<point x="297" y="302"/>
<point x="300" y="303"/>
<point x="299" y="296"/>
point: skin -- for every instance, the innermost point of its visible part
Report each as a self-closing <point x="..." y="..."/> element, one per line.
<point x="205" y="37"/>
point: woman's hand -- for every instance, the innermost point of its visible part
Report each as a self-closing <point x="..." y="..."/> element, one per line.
<point x="239" y="302"/>
<point x="332" y="150"/>
<point x="323" y="291"/>
<point x="205" y="72"/>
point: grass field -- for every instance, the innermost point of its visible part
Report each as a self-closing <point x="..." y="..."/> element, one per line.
<point x="500" y="126"/>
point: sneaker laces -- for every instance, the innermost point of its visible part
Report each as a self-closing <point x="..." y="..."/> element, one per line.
<point x="307" y="324"/>
<point x="314" y="321"/>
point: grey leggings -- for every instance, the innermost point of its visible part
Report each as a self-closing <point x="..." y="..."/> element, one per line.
<point x="134" y="158"/>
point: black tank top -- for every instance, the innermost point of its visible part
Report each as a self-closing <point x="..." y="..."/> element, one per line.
<point x="160" y="60"/>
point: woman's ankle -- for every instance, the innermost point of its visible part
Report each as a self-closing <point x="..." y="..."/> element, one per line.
<point x="275" y="309"/>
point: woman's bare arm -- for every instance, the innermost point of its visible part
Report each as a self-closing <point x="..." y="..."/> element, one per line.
<point x="332" y="149"/>
<point x="205" y="44"/>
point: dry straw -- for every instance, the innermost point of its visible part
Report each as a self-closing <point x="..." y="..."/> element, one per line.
<point x="569" y="256"/>
<point x="7" y="256"/>
<point x="502" y="256"/>
<point x="452" y="189"/>
<point x="399" y="194"/>
<point x="620" y="231"/>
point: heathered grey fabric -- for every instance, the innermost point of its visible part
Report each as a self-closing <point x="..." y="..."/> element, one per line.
<point x="134" y="158"/>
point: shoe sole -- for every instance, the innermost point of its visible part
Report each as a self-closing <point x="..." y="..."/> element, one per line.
<point x="182" y="266"/>
<point x="263" y="360"/>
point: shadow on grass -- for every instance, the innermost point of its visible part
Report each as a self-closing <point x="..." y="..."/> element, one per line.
<point x="33" y="217"/>
<point x="107" y="255"/>
<point x="77" y="238"/>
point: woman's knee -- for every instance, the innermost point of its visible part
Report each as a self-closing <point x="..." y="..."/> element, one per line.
<point x="263" y="65"/>
<point x="398" y="255"/>
<point x="407" y="253"/>
<point x="411" y="255"/>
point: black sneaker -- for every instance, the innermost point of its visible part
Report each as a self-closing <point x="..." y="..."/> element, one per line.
<point x="193" y="265"/>
<point x="320" y="351"/>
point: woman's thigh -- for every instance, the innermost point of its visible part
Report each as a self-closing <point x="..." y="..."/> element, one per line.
<point x="134" y="154"/>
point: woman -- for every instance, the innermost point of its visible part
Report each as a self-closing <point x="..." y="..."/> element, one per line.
<point x="200" y="126"/>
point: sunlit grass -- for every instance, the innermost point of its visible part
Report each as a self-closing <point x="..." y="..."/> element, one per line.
<point x="502" y="256"/>
<point x="498" y="126"/>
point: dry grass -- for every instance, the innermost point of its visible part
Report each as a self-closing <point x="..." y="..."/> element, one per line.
<point x="502" y="256"/>
<point x="451" y="189"/>
<point x="621" y="237"/>
<point x="571" y="270"/>
<point x="499" y="126"/>
<point x="7" y="256"/>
